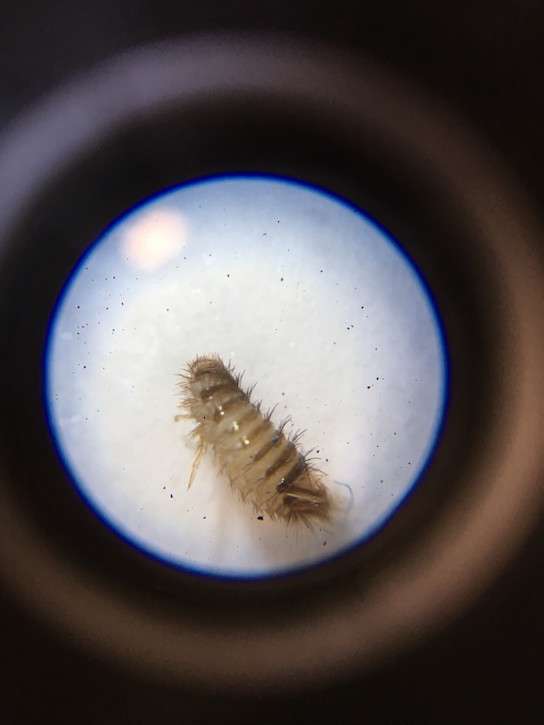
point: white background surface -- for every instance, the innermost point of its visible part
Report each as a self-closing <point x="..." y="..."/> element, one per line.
<point x="319" y="307"/>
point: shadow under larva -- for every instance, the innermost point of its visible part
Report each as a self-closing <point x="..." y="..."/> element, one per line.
<point x="263" y="464"/>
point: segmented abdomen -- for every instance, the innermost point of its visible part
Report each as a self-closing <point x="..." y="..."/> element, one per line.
<point x="260" y="461"/>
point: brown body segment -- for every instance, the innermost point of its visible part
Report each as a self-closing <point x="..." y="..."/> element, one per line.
<point x="261" y="462"/>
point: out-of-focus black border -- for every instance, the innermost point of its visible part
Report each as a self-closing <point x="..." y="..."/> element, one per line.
<point x="486" y="59"/>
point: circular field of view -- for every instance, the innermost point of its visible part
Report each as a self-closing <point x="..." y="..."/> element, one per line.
<point x="318" y="306"/>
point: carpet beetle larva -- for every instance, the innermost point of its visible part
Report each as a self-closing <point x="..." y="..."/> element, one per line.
<point x="261" y="462"/>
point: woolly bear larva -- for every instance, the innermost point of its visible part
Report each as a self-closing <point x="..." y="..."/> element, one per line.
<point x="261" y="462"/>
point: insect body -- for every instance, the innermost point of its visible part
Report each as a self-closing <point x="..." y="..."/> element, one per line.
<point x="261" y="462"/>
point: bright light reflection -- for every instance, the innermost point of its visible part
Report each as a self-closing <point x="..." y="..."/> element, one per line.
<point x="154" y="238"/>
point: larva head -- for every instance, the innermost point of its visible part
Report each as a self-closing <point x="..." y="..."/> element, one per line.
<point x="207" y="365"/>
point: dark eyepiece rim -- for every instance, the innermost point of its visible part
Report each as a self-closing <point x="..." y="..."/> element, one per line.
<point x="243" y="636"/>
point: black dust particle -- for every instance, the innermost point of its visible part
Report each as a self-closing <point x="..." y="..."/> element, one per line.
<point x="281" y="279"/>
<point x="163" y="488"/>
<point x="203" y="517"/>
<point x="324" y="543"/>
<point x="228" y="275"/>
<point x="171" y="495"/>
<point x="260" y="518"/>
